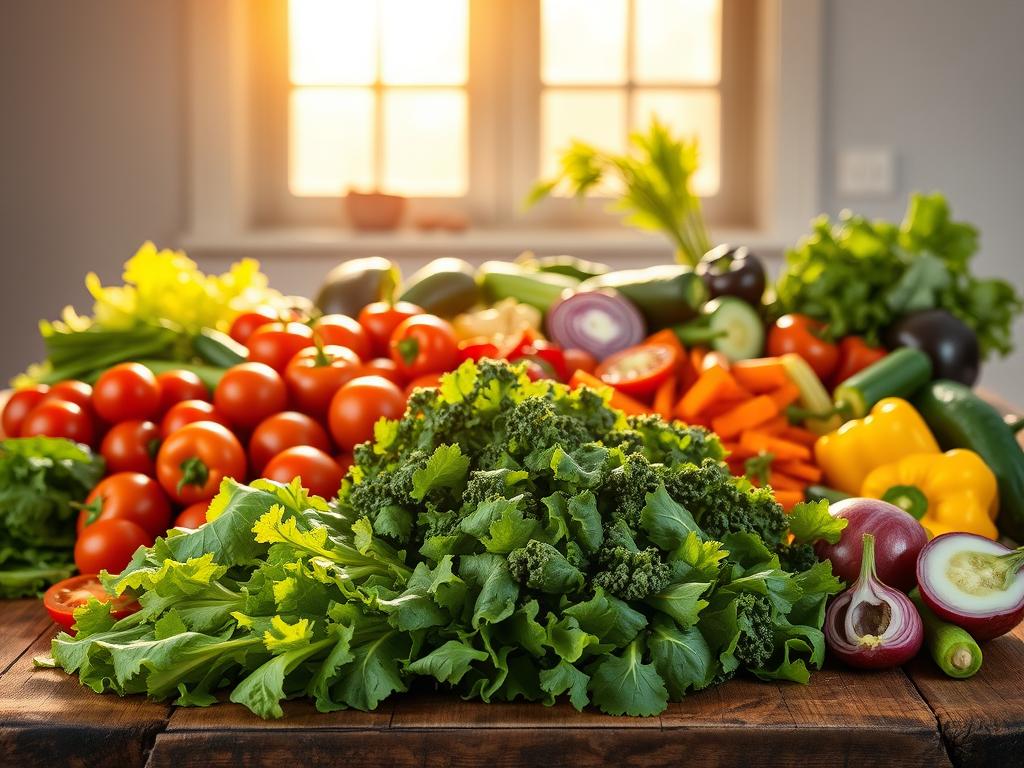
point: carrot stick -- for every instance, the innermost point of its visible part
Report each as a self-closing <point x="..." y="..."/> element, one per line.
<point x="745" y="416"/>
<point x="713" y="358"/>
<point x="737" y="452"/>
<point x="789" y="499"/>
<point x="774" y="426"/>
<point x="782" y="482"/>
<point x="697" y="358"/>
<point x="799" y="435"/>
<point x="623" y="402"/>
<point x="714" y="385"/>
<point x="781" y="449"/>
<point x="665" y="397"/>
<point x="800" y="470"/>
<point x="785" y="395"/>
<point x="761" y="375"/>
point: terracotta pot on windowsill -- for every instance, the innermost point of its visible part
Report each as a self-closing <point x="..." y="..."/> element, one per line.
<point x="374" y="210"/>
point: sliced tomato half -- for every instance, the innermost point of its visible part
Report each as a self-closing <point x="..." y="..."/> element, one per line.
<point x="639" y="370"/>
<point x="62" y="598"/>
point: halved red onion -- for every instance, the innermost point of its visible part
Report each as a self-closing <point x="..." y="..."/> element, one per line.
<point x="871" y="625"/>
<point x="973" y="582"/>
<point x="598" y="322"/>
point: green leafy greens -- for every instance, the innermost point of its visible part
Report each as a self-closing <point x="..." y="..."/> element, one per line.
<point x="860" y="276"/>
<point x="507" y="538"/>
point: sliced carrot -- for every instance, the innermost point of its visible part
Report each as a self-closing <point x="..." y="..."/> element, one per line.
<point x="713" y="385"/>
<point x="746" y="415"/>
<point x="800" y="470"/>
<point x="789" y="499"/>
<point x="783" y="482"/>
<point x="697" y="358"/>
<point x="783" y="450"/>
<point x="713" y="358"/>
<point x="625" y="403"/>
<point x="737" y="452"/>
<point x="665" y="398"/>
<point x="785" y="395"/>
<point x="799" y="435"/>
<point x="774" y="426"/>
<point x="761" y="375"/>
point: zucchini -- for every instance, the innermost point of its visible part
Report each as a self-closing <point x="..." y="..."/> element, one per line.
<point x="505" y="280"/>
<point x="444" y="287"/>
<point x="563" y="265"/>
<point x="823" y="492"/>
<point x="817" y="415"/>
<point x="901" y="373"/>
<point x="960" y="419"/>
<point x="951" y="647"/>
<point x="353" y="284"/>
<point x="666" y="295"/>
<point x="218" y="349"/>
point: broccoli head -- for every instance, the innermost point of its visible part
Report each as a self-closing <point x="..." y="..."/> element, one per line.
<point x="631" y="574"/>
<point x="540" y="566"/>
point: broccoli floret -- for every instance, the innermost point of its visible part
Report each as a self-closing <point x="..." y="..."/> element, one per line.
<point x="631" y="574"/>
<point x="625" y="493"/>
<point x="757" y="638"/>
<point x="540" y="566"/>
<point x="534" y="424"/>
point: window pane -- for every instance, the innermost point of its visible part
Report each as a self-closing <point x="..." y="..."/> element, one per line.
<point x="597" y="117"/>
<point x="333" y="42"/>
<point x="690" y="113"/>
<point x="425" y="142"/>
<point x="424" y="43"/>
<point x="677" y="41"/>
<point x="583" y="41"/>
<point x="330" y="140"/>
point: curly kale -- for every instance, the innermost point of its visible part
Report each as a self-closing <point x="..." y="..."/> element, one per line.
<point x="535" y="424"/>
<point x="625" y="493"/>
<point x="631" y="574"/>
<point x="757" y="636"/>
<point x="540" y="566"/>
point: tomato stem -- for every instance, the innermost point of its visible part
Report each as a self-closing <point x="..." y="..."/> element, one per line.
<point x="408" y="348"/>
<point x="193" y="472"/>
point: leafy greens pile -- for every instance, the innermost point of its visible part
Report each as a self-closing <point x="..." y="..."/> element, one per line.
<point x="508" y="538"/>
<point x="860" y="276"/>
<point x="40" y="479"/>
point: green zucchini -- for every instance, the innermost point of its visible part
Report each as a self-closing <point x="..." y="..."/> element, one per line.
<point x="570" y="266"/>
<point x="505" y="280"/>
<point x="443" y="287"/>
<point x="960" y="419"/>
<point x="218" y="349"/>
<point x="666" y="295"/>
<point x="819" y="492"/>
<point x="951" y="647"/>
<point x="353" y="284"/>
<point x="901" y="373"/>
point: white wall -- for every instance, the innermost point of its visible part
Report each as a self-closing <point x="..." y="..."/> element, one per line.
<point x="92" y="142"/>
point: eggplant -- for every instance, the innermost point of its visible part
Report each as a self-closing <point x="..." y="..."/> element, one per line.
<point x="733" y="271"/>
<point x="445" y="287"/>
<point x="353" y="284"/>
<point x="945" y="338"/>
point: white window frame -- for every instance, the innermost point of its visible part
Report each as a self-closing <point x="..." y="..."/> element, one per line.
<point x="221" y="178"/>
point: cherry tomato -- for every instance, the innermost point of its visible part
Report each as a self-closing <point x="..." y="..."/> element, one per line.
<point x="638" y="370"/>
<point x="315" y="374"/>
<point x="320" y="474"/>
<point x="131" y="446"/>
<point x="380" y="320"/>
<point x="805" y="336"/>
<point x="192" y="516"/>
<point x="424" y="344"/>
<point x="343" y="331"/>
<point x="62" y="598"/>
<point x="188" y="412"/>
<point x="384" y="367"/>
<point x="177" y="386"/>
<point x="59" y="418"/>
<point x="277" y="343"/>
<point x="854" y="356"/>
<point x="243" y="326"/>
<point x="194" y="459"/>
<point x="344" y="460"/>
<point x="77" y="392"/>
<point x="127" y="496"/>
<point x="548" y="356"/>
<point x="579" y="360"/>
<point x="514" y="346"/>
<point x="284" y="430"/>
<point x="108" y="545"/>
<point x="426" y="380"/>
<point x="250" y="392"/>
<point x="125" y="392"/>
<point x="18" y="406"/>
<point x="359" y="404"/>
<point x="478" y="348"/>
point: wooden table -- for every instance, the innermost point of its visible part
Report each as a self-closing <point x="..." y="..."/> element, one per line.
<point x="915" y="717"/>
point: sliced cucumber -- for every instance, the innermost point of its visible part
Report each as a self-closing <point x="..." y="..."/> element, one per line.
<point x="727" y="325"/>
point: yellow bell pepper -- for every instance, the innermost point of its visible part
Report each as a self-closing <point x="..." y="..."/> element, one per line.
<point x="892" y="430"/>
<point x="951" y="491"/>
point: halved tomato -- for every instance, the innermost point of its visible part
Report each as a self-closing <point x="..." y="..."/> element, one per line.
<point x="639" y="370"/>
<point x="63" y="597"/>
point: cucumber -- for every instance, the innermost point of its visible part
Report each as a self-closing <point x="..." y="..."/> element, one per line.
<point x="505" y="280"/>
<point x="901" y="373"/>
<point x="951" y="647"/>
<point x="443" y="287"/>
<point x="728" y="325"/>
<point x="666" y="295"/>
<point x="581" y="269"/>
<point x="218" y="349"/>
<point x="960" y="419"/>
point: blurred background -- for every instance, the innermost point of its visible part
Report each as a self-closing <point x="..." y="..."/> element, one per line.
<point x="235" y="128"/>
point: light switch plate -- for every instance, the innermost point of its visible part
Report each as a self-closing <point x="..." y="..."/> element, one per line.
<point x="866" y="172"/>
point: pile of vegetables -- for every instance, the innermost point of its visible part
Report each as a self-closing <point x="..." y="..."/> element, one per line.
<point x="506" y="538"/>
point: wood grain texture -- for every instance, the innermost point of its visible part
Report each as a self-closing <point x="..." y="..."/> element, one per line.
<point x="24" y="621"/>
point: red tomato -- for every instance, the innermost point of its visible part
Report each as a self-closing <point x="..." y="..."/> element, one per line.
<point x="579" y="360"/>
<point x="77" y="392"/>
<point x="380" y="320"/>
<point x="478" y="348"/>
<point x="63" y="597"/>
<point x="320" y="474"/>
<point x="194" y="459"/>
<point x="343" y="331"/>
<point x="18" y="406"/>
<point x="548" y="356"/>
<point x="277" y="343"/>
<point x="250" y="392"/>
<point x="125" y="392"/>
<point x="384" y="367"/>
<point x="424" y="344"/>
<point x="108" y="545"/>
<point x="315" y="374"/>
<point x="59" y="418"/>
<point x="359" y="404"/>
<point x="127" y="496"/>
<point x="131" y="446"/>
<point x="426" y="380"/>
<point x="805" y="336"/>
<point x="638" y="370"/>
<point x="344" y="461"/>
<point x="284" y="430"/>
<point x="188" y="412"/>
<point x="854" y="356"/>
<point x="192" y="516"/>
<point x="177" y="386"/>
<point x="243" y="326"/>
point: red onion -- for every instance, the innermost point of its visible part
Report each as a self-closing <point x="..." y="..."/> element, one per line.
<point x="871" y="625"/>
<point x="973" y="582"/>
<point x="900" y="539"/>
<point x="599" y="322"/>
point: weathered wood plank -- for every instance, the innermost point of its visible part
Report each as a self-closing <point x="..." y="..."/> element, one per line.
<point x="24" y="621"/>
<point x="297" y="715"/>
